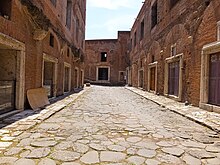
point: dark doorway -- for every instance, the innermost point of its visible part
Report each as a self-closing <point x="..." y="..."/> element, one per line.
<point x="214" y="80"/>
<point x="141" y="78"/>
<point x="7" y="80"/>
<point x="48" y="82"/>
<point x="66" y="79"/>
<point x="152" y="78"/>
<point x="103" y="74"/>
<point x="173" y="81"/>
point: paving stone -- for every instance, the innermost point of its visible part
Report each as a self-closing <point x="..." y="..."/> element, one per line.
<point x="25" y="162"/>
<point x="152" y="162"/>
<point x="100" y="137"/>
<point x="146" y="153"/>
<point x="7" y="138"/>
<point x="147" y="145"/>
<point x="134" y="139"/>
<point x="7" y="160"/>
<point x="136" y="160"/>
<point x="191" y="160"/>
<point x="91" y="157"/>
<point x="192" y="144"/>
<point x="49" y="126"/>
<point x="165" y="144"/>
<point x="13" y="151"/>
<point x="109" y="156"/>
<point x="80" y="148"/>
<point x="25" y="154"/>
<point x="70" y="163"/>
<point x="43" y="143"/>
<point x="203" y="138"/>
<point x="39" y="153"/>
<point x="173" y="151"/>
<point x="5" y="144"/>
<point x="64" y="145"/>
<point x="213" y="148"/>
<point x="97" y="147"/>
<point x="214" y="161"/>
<point x="65" y="155"/>
<point x="25" y="142"/>
<point x="169" y="159"/>
<point x="117" y="148"/>
<point x="201" y="154"/>
<point x="132" y="151"/>
<point x="47" y="161"/>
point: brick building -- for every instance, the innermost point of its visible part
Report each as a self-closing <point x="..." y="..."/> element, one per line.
<point x="176" y="51"/>
<point x="107" y="60"/>
<point x="41" y="44"/>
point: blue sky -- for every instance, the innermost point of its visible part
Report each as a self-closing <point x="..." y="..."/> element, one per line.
<point x="106" y="17"/>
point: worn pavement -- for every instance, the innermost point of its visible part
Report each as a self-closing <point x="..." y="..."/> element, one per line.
<point x="108" y="125"/>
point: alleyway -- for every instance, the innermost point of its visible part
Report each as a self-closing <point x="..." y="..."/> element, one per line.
<point x="112" y="125"/>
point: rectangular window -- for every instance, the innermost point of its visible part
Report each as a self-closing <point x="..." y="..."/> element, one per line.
<point x="51" y="40"/>
<point x="154" y="15"/>
<point x="5" y="8"/>
<point x="135" y="39"/>
<point x="142" y="30"/>
<point x="103" y="56"/>
<point x="54" y="2"/>
<point x="68" y="14"/>
<point x="173" y="3"/>
<point x="77" y="30"/>
<point x="173" y="50"/>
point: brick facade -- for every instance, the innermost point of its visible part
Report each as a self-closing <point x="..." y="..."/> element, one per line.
<point x="112" y="70"/>
<point x="48" y="46"/>
<point x="174" y="41"/>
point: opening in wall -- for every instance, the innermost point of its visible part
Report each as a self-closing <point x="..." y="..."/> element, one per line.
<point x="103" y="56"/>
<point x="154" y="15"/>
<point x="51" y="40"/>
<point x="173" y="3"/>
<point x="5" y="8"/>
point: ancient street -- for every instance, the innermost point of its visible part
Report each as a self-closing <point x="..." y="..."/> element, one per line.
<point x="112" y="125"/>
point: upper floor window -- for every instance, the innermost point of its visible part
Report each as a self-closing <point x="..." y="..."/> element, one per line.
<point x="135" y="38"/>
<point x="77" y="30"/>
<point x="51" y="40"/>
<point x="54" y="2"/>
<point x="173" y="3"/>
<point x="68" y="13"/>
<point x="103" y="56"/>
<point x="142" y="30"/>
<point x="173" y="50"/>
<point x="154" y="15"/>
<point x="5" y="8"/>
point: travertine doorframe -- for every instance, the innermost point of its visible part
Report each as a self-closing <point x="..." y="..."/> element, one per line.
<point x="176" y="58"/>
<point x="54" y="60"/>
<point x="152" y="65"/>
<point x="20" y="70"/>
<point x="207" y="50"/>
<point x="97" y="74"/>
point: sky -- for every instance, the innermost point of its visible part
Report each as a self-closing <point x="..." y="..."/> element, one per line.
<point x="106" y="17"/>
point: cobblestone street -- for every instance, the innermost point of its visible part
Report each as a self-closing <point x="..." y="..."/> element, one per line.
<point x="111" y="125"/>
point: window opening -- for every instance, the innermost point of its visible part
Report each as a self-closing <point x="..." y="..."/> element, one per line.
<point x="5" y="8"/>
<point x="154" y="15"/>
<point x="103" y="56"/>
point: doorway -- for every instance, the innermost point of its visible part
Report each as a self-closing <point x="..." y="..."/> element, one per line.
<point x="103" y="74"/>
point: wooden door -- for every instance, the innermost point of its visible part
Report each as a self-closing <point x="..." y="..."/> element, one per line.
<point x="173" y="80"/>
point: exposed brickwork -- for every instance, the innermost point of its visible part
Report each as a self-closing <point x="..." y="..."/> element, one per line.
<point x="32" y="22"/>
<point x="189" y="25"/>
<point x="117" y="58"/>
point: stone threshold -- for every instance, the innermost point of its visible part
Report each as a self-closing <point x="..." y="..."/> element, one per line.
<point x="196" y="114"/>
